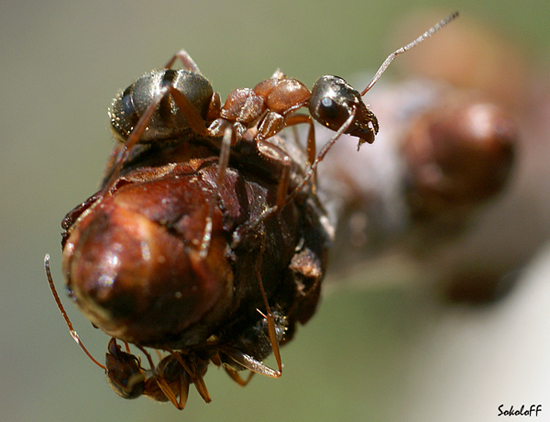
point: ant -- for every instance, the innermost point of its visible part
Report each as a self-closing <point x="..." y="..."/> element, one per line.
<point x="169" y="380"/>
<point x="182" y="245"/>
<point x="166" y="104"/>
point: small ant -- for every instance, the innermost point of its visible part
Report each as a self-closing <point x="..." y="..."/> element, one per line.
<point x="167" y="104"/>
<point x="169" y="380"/>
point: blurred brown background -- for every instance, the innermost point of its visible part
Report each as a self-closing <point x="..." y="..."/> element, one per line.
<point x="380" y="354"/>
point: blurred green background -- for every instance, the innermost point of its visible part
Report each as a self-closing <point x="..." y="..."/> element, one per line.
<point x="365" y="356"/>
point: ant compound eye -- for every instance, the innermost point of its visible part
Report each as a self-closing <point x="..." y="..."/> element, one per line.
<point x="123" y="113"/>
<point x="328" y="109"/>
<point x="128" y="108"/>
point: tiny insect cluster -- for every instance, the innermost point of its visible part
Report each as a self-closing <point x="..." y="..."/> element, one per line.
<point x="207" y="241"/>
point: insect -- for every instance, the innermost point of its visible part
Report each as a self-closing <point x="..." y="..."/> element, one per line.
<point x="206" y="241"/>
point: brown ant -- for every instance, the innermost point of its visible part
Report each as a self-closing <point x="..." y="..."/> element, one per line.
<point x="182" y="245"/>
<point x="169" y="380"/>
<point x="167" y="104"/>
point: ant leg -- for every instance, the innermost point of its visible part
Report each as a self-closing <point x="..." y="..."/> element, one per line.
<point x="269" y="318"/>
<point x="195" y="376"/>
<point x="274" y="153"/>
<point x="297" y="119"/>
<point x="247" y="361"/>
<point x="186" y="60"/>
<point x="283" y="183"/>
<point x="182" y="390"/>
<point x="198" y="380"/>
<point x="133" y="139"/>
<point x="237" y="378"/>
<point x="74" y="334"/>
<point x="326" y="148"/>
<point x="192" y="115"/>
<point x="196" y="122"/>
<point x="253" y="365"/>
<point x="278" y="154"/>
<point x="223" y="162"/>
<point x="159" y="388"/>
<point x="233" y="373"/>
<point x="147" y="355"/>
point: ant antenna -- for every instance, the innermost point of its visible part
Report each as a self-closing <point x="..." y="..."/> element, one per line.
<point x="401" y="50"/>
<point x="73" y="332"/>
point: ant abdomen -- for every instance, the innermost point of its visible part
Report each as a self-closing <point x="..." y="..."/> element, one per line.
<point x="167" y="121"/>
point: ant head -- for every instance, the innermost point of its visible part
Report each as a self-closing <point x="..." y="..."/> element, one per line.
<point x="333" y="101"/>
<point x="124" y="372"/>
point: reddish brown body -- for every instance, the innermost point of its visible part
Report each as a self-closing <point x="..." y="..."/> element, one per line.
<point x="133" y="262"/>
<point x="134" y="267"/>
